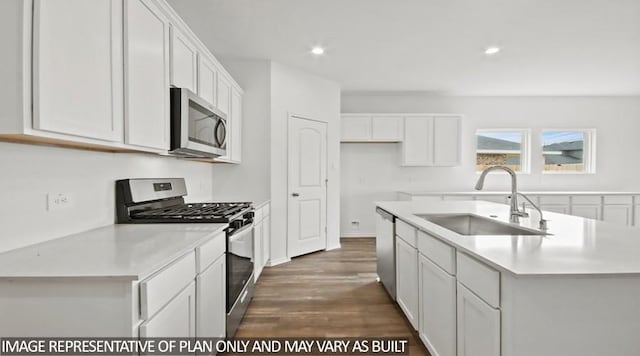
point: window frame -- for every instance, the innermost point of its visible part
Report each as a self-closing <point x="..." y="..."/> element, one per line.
<point x="588" y="151"/>
<point x="525" y="149"/>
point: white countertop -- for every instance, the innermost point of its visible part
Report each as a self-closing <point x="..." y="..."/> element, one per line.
<point x="115" y="251"/>
<point x="577" y="246"/>
<point x="485" y="192"/>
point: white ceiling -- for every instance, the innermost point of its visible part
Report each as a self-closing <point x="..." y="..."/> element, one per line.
<point x="549" y="47"/>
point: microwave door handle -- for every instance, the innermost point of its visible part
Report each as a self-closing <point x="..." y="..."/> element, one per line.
<point x="222" y="142"/>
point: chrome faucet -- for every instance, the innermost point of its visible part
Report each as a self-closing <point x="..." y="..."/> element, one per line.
<point x="543" y="222"/>
<point x="514" y="212"/>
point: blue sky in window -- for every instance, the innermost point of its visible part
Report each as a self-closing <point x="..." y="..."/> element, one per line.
<point x="513" y="136"/>
<point x="550" y="137"/>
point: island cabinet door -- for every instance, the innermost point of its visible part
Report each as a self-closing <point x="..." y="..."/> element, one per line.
<point x="407" y="280"/>
<point x="176" y="319"/>
<point x="437" y="308"/>
<point x="478" y="325"/>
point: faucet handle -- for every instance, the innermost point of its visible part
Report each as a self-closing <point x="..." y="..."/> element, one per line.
<point x="524" y="213"/>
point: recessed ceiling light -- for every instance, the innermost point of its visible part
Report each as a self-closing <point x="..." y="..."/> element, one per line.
<point x="491" y="50"/>
<point x="317" y="50"/>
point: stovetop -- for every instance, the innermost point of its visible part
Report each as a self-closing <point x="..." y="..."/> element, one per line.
<point x="194" y="212"/>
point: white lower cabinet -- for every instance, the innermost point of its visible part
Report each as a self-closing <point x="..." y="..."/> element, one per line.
<point x="587" y="211"/>
<point x="406" y="280"/>
<point x="619" y="214"/>
<point x="478" y="325"/>
<point x="211" y="300"/>
<point x="258" y="261"/>
<point x="437" y="308"/>
<point x="176" y="319"/>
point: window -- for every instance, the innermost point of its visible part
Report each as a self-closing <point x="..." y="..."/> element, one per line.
<point x="502" y="147"/>
<point x="568" y="151"/>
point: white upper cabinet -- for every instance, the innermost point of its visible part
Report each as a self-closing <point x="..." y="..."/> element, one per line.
<point x="184" y="61"/>
<point x="431" y="141"/>
<point x="371" y="128"/>
<point x="417" y="147"/>
<point x="224" y="94"/>
<point x="207" y="79"/>
<point x="146" y="75"/>
<point x="446" y="141"/>
<point x="355" y="128"/>
<point x="236" y="126"/>
<point x="77" y="68"/>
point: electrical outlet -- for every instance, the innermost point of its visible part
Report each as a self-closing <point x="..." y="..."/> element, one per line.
<point x="57" y="201"/>
<point x="355" y="225"/>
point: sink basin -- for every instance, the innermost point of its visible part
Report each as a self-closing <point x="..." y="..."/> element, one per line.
<point x="469" y="224"/>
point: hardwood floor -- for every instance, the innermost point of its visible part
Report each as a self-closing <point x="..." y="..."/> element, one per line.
<point x="327" y="294"/>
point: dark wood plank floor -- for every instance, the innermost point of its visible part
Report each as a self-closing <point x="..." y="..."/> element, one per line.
<point x="327" y="294"/>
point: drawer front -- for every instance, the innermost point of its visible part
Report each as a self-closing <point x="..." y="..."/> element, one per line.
<point x="257" y="217"/>
<point x="210" y="251"/>
<point x="618" y="199"/>
<point x="554" y="199"/>
<point x="438" y="252"/>
<point x="406" y="232"/>
<point x="159" y="289"/>
<point x="586" y="199"/>
<point x="483" y="280"/>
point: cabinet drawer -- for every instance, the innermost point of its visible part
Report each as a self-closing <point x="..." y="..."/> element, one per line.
<point x="437" y="251"/>
<point x="554" y="199"/>
<point x="158" y="289"/>
<point x="406" y="232"/>
<point x="618" y="199"/>
<point x="586" y="199"/>
<point x="483" y="280"/>
<point x="209" y="251"/>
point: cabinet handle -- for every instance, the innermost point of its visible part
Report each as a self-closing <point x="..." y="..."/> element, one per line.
<point x="295" y="195"/>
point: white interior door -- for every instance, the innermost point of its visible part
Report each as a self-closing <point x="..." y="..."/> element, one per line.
<point x="307" y="186"/>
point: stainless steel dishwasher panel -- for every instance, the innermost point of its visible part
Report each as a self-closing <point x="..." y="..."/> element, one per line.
<point x="386" y="250"/>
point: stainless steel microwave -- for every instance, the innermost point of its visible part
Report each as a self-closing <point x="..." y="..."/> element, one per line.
<point x="198" y="129"/>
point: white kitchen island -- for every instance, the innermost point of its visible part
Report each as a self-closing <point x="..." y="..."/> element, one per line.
<point x="575" y="291"/>
<point x="154" y="280"/>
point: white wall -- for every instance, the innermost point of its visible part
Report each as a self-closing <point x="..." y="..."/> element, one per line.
<point x="249" y="181"/>
<point x="295" y="91"/>
<point x="371" y="172"/>
<point x="28" y="173"/>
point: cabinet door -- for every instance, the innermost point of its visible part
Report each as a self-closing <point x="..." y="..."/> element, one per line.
<point x="619" y="214"/>
<point x="236" y="126"/>
<point x="78" y="68"/>
<point x="207" y="80"/>
<point x="587" y="211"/>
<point x="176" y="319"/>
<point x="184" y="61"/>
<point x="636" y="215"/>
<point x="437" y="308"/>
<point x="224" y="94"/>
<point x="257" y="250"/>
<point x="387" y="128"/>
<point x="211" y="302"/>
<point x="407" y="280"/>
<point x="478" y="325"/>
<point x="146" y="75"/>
<point x="446" y="141"/>
<point x="417" y="147"/>
<point x="266" y="240"/>
<point x="355" y="128"/>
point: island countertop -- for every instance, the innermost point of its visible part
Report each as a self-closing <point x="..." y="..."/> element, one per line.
<point x="130" y="251"/>
<point x="575" y="246"/>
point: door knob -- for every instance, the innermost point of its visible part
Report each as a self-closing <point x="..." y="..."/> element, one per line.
<point x="295" y="194"/>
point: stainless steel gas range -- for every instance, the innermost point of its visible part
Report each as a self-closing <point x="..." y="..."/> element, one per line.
<point x="153" y="201"/>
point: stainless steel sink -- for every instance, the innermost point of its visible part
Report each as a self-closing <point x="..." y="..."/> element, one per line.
<point x="469" y="224"/>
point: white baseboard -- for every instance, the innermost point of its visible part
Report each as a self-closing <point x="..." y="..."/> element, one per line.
<point x="279" y="261"/>
<point x="351" y="235"/>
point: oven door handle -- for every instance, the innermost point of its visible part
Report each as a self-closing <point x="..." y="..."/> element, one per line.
<point x="237" y="234"/>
